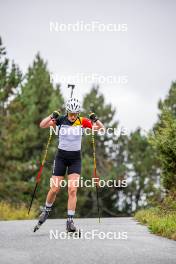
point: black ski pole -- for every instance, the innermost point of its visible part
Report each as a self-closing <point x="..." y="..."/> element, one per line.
<point x="39" y="173"/>
<point x="95" y="174"/>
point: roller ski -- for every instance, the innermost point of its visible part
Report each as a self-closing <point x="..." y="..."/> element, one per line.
<point x="71" y="229"/>
<point x="42" y="218"/>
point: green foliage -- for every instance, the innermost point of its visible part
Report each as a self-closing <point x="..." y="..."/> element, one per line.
<point x="164" y="139"/>
<point x="22" y="141"/>
<point x="13" y="212"/>
<point x="10" y="78"/>
<point x="160" y="220"/>
<point x="169" y="102"/>
<point x="142" y="168"/>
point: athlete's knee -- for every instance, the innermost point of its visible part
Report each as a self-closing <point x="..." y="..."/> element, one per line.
<point x="72" y="191"/>
<point x="54" y="190"/>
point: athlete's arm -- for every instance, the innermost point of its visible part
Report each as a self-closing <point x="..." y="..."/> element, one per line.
<point x="47" y="122"/>
<point x="87" y="123"/>
<point x="50" y="120"/>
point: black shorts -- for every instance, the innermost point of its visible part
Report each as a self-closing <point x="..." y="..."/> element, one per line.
<point x="66" y="161"/>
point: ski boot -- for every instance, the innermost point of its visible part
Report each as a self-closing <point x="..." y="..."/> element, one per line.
<point x="42" y="218"/>
<point x="71" y="229"/>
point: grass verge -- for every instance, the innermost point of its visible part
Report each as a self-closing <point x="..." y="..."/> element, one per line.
<point x="159" y="221"/>
<point x="15" y="212"/>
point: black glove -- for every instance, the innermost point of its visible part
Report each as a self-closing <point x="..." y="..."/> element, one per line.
<point x="93" y="117"/>
<point x="55" y="114"/>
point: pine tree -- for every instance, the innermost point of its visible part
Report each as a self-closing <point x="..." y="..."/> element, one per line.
<point x="143" y="174"/>
<point x="36" y="99"/>
<point x="164" y="138"/>
<point x="10" y="79"/>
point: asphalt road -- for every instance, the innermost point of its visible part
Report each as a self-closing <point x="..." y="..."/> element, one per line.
<point x="132" y="243"/>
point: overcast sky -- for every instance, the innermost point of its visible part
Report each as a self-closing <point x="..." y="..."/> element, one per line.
<point x="145" y="53"/>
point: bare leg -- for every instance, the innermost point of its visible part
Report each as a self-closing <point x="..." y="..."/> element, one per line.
<point x="55" y="188"/>
<point x="72" y="190"/>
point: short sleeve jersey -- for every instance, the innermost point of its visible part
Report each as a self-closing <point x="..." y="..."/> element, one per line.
<point x="70" y="133"/>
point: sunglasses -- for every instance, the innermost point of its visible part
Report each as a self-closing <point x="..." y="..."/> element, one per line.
<point x="73" y="114"/>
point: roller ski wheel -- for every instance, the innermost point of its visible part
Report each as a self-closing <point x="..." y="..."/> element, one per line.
<point x="36" y="227"/>
<point x="42" y="218"/>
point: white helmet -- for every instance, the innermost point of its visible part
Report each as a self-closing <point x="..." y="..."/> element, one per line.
<point x="73" y="105"/>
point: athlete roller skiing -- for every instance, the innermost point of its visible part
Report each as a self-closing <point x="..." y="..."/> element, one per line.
<point x="68" y="156"/>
